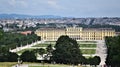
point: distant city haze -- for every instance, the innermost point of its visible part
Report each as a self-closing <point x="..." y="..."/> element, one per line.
<point x="65" y="8"/>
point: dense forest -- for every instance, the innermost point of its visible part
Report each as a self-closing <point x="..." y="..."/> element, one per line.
<point x="113" y="45"/>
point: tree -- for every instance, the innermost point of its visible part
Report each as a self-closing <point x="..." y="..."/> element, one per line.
<point x="1" y="33"/>
<point x="113" y="51"/>
<point x="11" y="40"/>
<point x="7" y="56"/>
<point x="49" y="49"/>
<point x="41" y="51"/>
<point x="28" y="56"/>
<point x="95" y="60"/>
<point x="66" y="51"/>
<point x="12" y="57"/>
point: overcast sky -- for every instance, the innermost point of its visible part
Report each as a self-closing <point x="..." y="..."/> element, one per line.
<point x="67" y="8"/>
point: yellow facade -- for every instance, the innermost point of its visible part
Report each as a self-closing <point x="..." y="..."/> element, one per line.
<point x="77" y="33"/>
<point x="97" y="34"/>
<point x="50" y="34"/>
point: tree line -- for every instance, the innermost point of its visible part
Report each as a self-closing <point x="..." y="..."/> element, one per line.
<point x="113" y="51"/>
<point x="13" y="40"/>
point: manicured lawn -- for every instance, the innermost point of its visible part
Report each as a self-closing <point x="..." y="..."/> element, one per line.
<point x="37" y="66"/>
<point x="86" y="41"/>
<point x="42" y="45"/>
<point x="88" y="51"/>
<point x="84" y="51"/>
<point x="7" y="64"/>
<point x="88" y="45"/>
<point x="49" y="66"/>
<point x="81" y="45"/>
<point x="50" y="42"/>
<point x="87" y="57"/>
<point x="19" y="52"/>
<point x="53" y="65"/>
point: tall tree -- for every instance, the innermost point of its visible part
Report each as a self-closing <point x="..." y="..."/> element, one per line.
<point x="1" y="33"/>
<point x="41" y="51"/>
<point x="113" y="51"/>
<point x="49" y="49"/>
<point x="95" y="60"/>
<point x="28" y="56"/>
<point x="66" y="51"/>
<point x="7" y="56"/>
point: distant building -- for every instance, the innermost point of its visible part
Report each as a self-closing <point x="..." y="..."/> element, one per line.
<point x="77" y="33"/>
<point x="5" y="29"/>
<point x="26" y="32"/>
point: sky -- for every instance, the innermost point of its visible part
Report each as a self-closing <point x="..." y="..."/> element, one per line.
<point x="65" y="8"/>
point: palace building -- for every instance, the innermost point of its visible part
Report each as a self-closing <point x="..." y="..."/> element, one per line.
<point x="77" y="33"/>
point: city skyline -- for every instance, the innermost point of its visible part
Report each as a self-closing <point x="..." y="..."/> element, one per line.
<point x="65" y="8"/>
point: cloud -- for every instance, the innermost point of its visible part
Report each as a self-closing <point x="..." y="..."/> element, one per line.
<point x="62" y="7"/>
<point x="54" y="4"/>
<point x="12" y="2"/>
<point x="15" y="3"/>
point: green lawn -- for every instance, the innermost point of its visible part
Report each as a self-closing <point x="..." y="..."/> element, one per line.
<point x="49" y="66"/>
<point x="81" y="45"/>
<point x="79" y="42"/>
<point x="87" y="57"/>
<point x="53" y="42"/>
<point x="84" y="51"/>
<point x="50" y="42"/>
<point x="53" y="65"/>
<point x="88" y="45"/>
<point x="88" y="51"/>
<point x="42" y="45"/>
<point x="7" y="64"/>
<point x="86" y="42"/>
<point x="20" y="52"/>
<point x="38" y="66"/>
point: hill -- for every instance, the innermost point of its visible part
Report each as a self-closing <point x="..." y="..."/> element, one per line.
<point x="21" y="16"/>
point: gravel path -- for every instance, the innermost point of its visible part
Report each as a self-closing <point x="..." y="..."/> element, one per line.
<point x="26" y="46"/>
<point x="23" y="65"/>
<point x="101" y="51"/>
